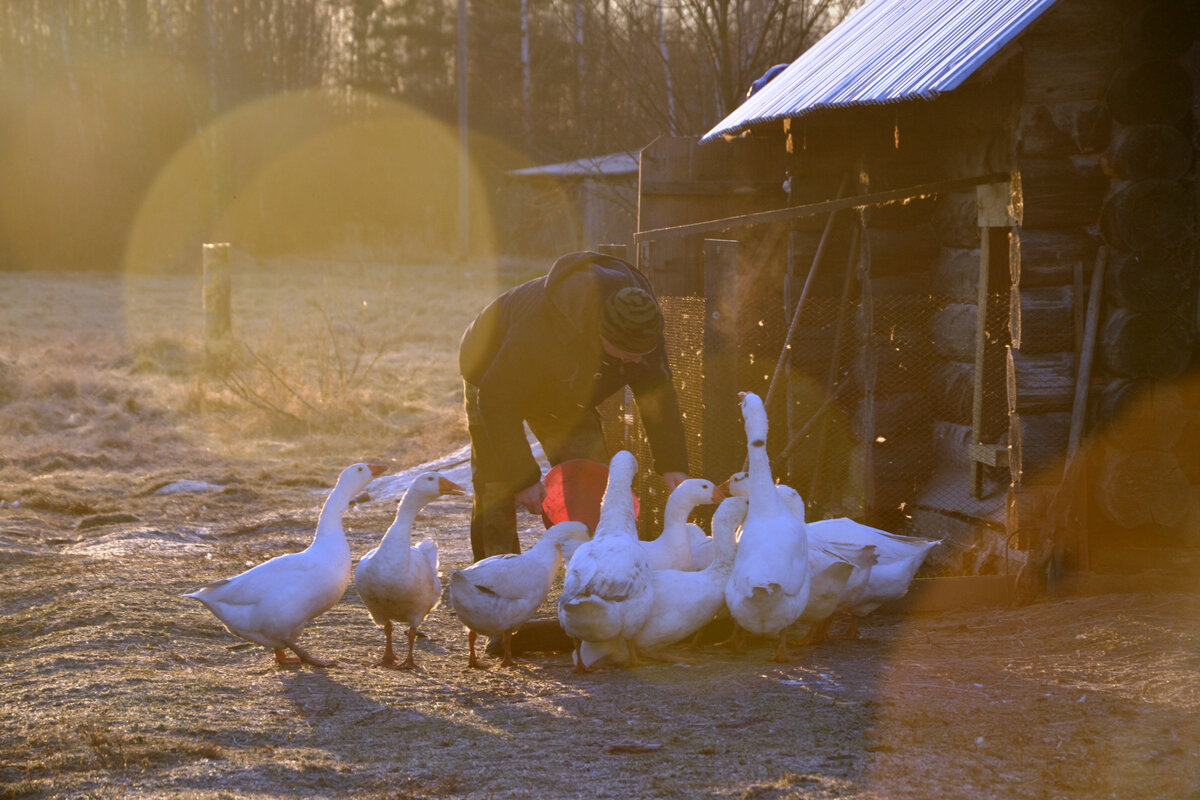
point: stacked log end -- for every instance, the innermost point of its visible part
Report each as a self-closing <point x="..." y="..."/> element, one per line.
<point x="1065" y="127"/>
<point x="1141" y="159"/>
<point x="1147" y="341"/>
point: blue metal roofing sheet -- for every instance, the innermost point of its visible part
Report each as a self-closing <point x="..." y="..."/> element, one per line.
<point x="613" y="164"/>
<point x="885" y="52"/>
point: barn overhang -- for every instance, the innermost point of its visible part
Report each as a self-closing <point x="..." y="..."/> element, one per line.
<point x="888" y="51"/>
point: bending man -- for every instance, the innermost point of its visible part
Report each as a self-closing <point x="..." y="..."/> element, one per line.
<point x="547" y="353"/>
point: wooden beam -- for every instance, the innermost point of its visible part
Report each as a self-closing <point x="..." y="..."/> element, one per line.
<point x="827" y="206"/>
<point x="711" y="187"/>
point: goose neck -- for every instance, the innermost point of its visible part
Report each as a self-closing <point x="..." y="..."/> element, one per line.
<point x="399" y="533"/>
<point x="329" y="523"/>
<point x="616" y="510"/>
<point x="676" y="512"/>
<point x="760" y="481"/>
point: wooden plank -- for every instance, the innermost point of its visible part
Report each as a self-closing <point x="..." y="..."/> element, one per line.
<point x="1048" y="258"/>
<point x="993" y="248"/>
<point x="993" y="205"/>
<point x="1042" y="320"/>
<point x="1040" y="383"/>
<point x="1059" y="192"/>
<point x="828" y="206"/>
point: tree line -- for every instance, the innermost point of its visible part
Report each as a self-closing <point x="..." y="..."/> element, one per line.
<point x="107" y="91"/>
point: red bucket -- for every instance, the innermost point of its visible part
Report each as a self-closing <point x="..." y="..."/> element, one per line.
<point x="574" y="490"/>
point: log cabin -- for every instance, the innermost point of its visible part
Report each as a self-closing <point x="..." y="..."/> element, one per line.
<point x="953" y="246"/>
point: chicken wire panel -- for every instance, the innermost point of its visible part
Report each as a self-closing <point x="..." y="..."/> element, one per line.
<point x="762" y="323"/>
<point x="684" y="334"/>
<point x="875" y="418"/>
<point x="896" y="433"/>
<point x="820" y="433"/>
<point x="913" y="417"/>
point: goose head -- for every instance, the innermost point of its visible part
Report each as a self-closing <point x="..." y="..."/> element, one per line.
<point x="430" y="485"/>
<point x="616" y="507"/>
<point x="694" y="492"/>
<point x="567" y="530"/>
<point x="737" y="485"/>
<point x="622" y="468"/>
<point x="355" y="477"/>
<point x="754" y="415"/>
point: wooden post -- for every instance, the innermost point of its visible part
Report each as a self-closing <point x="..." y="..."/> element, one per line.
<point x="994" y="222"/>
<point x="218" y="325"/>
<point x="1083" y="374"/>
<point x="722" y="451"/>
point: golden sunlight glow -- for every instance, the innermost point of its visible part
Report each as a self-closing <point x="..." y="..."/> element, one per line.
<point x="311" y="174"/>
<point x="79" y="147"/>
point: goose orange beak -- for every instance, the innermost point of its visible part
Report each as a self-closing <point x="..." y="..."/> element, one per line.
<point x="377" y="469"/>
<point x="447" y="486"/>
<point x="721" y="492"/>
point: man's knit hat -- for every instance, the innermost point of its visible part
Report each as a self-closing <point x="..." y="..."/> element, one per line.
<point x="631" y="321"/>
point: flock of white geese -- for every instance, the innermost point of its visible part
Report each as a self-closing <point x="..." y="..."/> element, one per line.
<point x="622" y="599"/>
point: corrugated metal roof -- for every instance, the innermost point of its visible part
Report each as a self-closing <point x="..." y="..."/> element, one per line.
<point x="885" y="52"/>
<point x="610" y="165"/>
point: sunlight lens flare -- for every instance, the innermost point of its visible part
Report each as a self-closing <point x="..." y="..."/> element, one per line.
<point x="314" y="174"/>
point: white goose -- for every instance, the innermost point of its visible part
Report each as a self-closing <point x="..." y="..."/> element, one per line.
<point x="897" y="557"/>
<point x="398" y="580"/>
<point x="769" y="586"/>
<point x="684" y="602"/>
<point x="271" y="603"/>
<point x="607" y="592"/>
<point x="496" y="595"/>
<point x="840" y="571"/>
<point x="673" y="547"/>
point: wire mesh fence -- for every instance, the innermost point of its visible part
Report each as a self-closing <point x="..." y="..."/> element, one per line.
<point x="872" y="398"/>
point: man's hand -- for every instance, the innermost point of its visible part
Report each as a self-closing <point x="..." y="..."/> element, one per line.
<point x="532" y="497"/>
<point x="673" y="479"/>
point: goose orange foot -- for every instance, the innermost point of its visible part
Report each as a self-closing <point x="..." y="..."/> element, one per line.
<point x="304" y="657"/>
<point x="473" y="662"/>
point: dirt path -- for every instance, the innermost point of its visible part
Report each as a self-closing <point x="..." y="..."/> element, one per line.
<point x="117" y="687"/>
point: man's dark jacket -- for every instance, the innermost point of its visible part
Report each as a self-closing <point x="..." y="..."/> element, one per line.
<point x="535" y="354"/>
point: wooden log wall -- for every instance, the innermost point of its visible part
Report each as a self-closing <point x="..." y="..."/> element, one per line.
<point x="1069" y="56"/>
<point x="1105" y="156"/>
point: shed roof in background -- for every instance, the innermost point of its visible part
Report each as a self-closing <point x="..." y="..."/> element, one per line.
<point x="888" y="51"/>
<point x="608" y="166"/>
